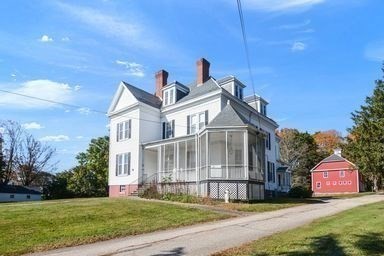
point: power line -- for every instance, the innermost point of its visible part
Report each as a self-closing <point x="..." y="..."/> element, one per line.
<point x="245" y="42"/>
<point x="54" y="102"/>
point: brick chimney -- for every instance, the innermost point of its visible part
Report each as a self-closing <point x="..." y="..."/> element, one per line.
<point x="202" y="71"/>
<point x="161" y="80"/>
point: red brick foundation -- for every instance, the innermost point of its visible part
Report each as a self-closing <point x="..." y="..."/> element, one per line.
<point x="114" y="190"/>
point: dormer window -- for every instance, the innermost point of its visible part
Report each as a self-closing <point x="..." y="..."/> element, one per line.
<point x="239" y="92"/>
<point x="169" y="96"/>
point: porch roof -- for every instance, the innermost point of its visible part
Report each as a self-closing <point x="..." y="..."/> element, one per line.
<point x="153" y="144"/>
<point x="228" y="117"/>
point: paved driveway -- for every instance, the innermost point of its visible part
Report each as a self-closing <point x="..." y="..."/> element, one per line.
<point x="205" y="239"/>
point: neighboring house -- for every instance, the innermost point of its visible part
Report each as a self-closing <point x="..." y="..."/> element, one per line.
<point x="205" y="136"/>
<point x="15" y="193"/>
<point x="336" y="174"/>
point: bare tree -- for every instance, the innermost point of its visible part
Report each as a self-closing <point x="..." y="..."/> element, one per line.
<point x="33" y="158"/>
<point x="11" y="134"/>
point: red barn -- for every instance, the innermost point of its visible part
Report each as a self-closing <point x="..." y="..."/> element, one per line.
<point x="336" y="175"/>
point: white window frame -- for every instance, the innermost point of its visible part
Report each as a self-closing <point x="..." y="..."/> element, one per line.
<point x="197" y="122"/>
<point x="123" y="164"/>
<point x="238" y="92"/>
<point x="325" y="174"/>
<point x="123" y="130"/>
<point x="169" y="96"/>
<point x="122" y="189"/>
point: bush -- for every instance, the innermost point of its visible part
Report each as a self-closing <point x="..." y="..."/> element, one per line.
<point x="150" y="193"/>
<point x="299" y="192"/>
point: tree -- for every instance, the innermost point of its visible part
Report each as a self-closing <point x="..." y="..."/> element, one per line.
<point x="329" y="140"/>
<point x="33" y="158"/>
<point x="300" y="153"/>
<point x="11" y="137"/>
<point x="365" y="144"/>
<point x="90" y="177"/>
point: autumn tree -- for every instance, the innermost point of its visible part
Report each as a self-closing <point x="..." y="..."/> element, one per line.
<point x="365" y="145"/>
<point x="329" y="140"/>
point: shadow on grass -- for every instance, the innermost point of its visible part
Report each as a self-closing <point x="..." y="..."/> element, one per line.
<point x="288" y="200"/>
<point x="319" y="246"/>
<point x="371" y="243"/>
<point x="178" y="251"/>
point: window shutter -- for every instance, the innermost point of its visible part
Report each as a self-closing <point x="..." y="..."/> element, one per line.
<point x="117" y="165"/>
<point x="129" y="128"/>
<point x="117" y="132"/>
<point x="173" y="128"/>
<point x="164" y="127"/>
<point x="129" y="163"/>
<point x="206" y="117"/>
<point x="188" y="124"/>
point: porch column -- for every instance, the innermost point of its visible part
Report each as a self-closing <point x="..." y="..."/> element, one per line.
<point x="246" y="162"/>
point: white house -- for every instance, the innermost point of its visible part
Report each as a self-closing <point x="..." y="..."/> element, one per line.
<point x="207" y="136"/>
<point x="15" y="193"/>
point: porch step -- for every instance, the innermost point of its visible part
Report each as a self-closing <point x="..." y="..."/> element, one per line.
<point x="134" y="193"/>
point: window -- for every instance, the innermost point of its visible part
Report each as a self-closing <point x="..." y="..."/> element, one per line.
<point x="196" y="122"/>
<point x="335" y="183"/>
<point x="325" y="174"/>
<point x="122" y="189"/>
<point x="11" y="196"/>
<point x="349" y="182"/>
<point x="169" y="129"/>
<point x="124" y="130"/>
<point x="123" y="164"/>
<point x="28" y="196"/>
<point x="344" y="182"/>
<point x="342" y="173"/>
<point x="318" y="184"/>
<point x="264" y="110"/>
<point x="340" y="182"/>
<point x="238" y="92"/>
<point x="268" y="141"/>
<point x="169" y="96"/>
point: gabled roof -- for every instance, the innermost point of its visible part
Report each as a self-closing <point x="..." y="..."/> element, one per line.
<point x="17" y="190"/>
<point x="332" y="158"/>
<point x="228" y="117"/>
<point x="143" y="96"/>
<point x="195" y="91"/>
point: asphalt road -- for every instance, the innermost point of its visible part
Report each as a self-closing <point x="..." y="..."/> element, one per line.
<point x="204" y="239"/>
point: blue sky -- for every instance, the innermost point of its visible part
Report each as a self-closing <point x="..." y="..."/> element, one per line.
<point x="313" y="60"/>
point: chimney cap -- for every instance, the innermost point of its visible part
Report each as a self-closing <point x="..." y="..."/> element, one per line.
<point x="337" y="151"/>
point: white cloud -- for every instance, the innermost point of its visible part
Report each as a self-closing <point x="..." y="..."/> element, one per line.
<point x="32" y="125"/>
<point x="79" y="137"/>
<point x="133" y="68"/>
<point x="126" y="28"/>
<point x="65" y="39"/>
<point x="46" y="39"/>
<point x="294" y="25"/>
<point x="13" y="75"/>
<point x="375" y="51"/>
<point x="77" y="88"/>
<point x="84" y="111"/>
<point x="55" y="138"/>
<point x="281" y="5"/>
<point x="298" y="46"/>
<point x="43" y="89"/>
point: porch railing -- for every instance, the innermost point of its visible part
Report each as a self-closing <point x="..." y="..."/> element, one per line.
<point x="230" y="172"/>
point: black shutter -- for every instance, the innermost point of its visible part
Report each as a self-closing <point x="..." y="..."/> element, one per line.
<point x="129" y="163"/>
<point x="117" y="132"/>
<point x="173" y="128"/>
<point x="206" y="117"/>
<point x="117" y="164"/>
<point x="129" y="128"/>
<point x="164" y="127"/>
<point x="188" y="124"/>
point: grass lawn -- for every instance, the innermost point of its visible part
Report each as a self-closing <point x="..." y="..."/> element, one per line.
<point x="37" y="226"/>
<point x="359" y="231"/>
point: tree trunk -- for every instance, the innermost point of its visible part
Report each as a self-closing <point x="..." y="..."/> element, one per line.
<point x="375" y="187"/>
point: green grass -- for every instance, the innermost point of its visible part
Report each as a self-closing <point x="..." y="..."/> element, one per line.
<point x="268" y="205"/>
<point x="359" y="231"/>
<point x="37" y="226"/>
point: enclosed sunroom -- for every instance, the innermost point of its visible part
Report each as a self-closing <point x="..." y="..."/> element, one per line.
<point x="228" y="154"/>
